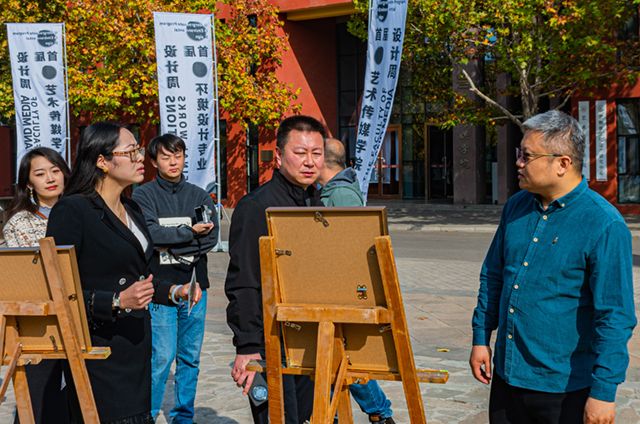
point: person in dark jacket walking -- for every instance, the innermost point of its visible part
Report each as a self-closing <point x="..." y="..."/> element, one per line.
<point x="181" y="244"/>
<point x="340" y="187"/>
<point x="299" y="157"/>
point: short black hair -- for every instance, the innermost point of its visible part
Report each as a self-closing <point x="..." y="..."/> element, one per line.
<point x="299" y="123"/>
<point x="169" y="142"/>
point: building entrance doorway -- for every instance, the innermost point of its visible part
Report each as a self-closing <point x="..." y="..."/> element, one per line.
<point x="440" y="164"/>
<point x="386" y="177"/>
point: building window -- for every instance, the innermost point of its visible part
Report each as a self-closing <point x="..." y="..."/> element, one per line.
<point x="628" y="150"/>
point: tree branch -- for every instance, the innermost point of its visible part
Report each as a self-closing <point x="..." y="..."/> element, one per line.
<point x="474" y="89"/>
<point x="566" y="99"/>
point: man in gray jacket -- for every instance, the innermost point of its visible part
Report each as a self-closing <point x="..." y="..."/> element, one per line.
<point x="341" y="188"/>
<point x="181" y="240"/>
<point x="339" y="184"/>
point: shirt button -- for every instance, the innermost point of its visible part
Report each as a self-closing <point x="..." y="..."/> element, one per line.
<point x="545" y="217"/>
<point x="516" y="287"/>
<point x="122" y="281"/>
<point x="510" y="336"/>
<point x="511" y="310"/>
<point x="525" y="263"/>
<point x="535" y="239"/>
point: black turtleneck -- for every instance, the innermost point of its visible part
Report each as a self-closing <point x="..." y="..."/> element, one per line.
<point x="243" y="286"/>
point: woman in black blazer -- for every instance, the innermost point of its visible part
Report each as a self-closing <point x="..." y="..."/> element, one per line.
<point x="113" y="248"/>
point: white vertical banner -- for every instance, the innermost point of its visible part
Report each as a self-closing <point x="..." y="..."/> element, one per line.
<point x="39" y="86"/>
<point x="386" y="33"/>
<point x="601" y="140"/>
<point x="583" y="120"/>
<point x="184" y="55"/>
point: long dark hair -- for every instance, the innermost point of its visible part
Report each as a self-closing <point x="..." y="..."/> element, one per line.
<point x="97" y="139"/>
<point x="22" y="199"/>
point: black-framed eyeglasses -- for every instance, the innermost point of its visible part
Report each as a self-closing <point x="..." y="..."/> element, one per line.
<point x="132" y="154"/>
<point x="528" y="157"/>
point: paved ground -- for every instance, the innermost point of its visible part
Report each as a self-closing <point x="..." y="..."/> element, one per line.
<point x="439" y="278"/>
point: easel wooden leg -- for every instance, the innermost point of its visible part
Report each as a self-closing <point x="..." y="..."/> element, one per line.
<point x="20" y="385"/>
<point x="10" y="371"/>
<point x="406" y="364"/>
<point x="339" y="387"/>
<point x="69" y="332"/>
<point x="323" y="376"/>
<point x="275" y="386"/>
<point x="23" y="398"/>
<point x="345" y="414"/>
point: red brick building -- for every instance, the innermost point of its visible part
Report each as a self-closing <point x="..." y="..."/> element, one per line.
<point x="417" y="160"/>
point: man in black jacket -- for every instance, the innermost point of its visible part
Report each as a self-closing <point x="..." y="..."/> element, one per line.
<point x="181" y="244"/>
<point x="299" y="157"/>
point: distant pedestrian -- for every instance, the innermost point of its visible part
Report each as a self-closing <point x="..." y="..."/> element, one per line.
<point x="340" y="187"/>
<point x="557" y="283"/>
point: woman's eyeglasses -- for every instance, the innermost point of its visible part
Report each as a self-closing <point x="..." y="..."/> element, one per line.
<point x="132" y="154"/>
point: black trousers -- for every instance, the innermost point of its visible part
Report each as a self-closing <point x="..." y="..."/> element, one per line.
<point x="508" y="404"/>
<point x="48" y="401"/>
<point x="298" y="401"/>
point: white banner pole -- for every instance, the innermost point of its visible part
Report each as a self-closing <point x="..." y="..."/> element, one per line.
<point x="387" y="21"/>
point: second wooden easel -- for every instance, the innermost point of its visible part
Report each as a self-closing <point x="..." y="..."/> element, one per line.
<point x="41" y="318"/>
<point x="332" y="365"/>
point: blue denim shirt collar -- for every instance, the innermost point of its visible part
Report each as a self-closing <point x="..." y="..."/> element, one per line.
<point x="564" y="201"/>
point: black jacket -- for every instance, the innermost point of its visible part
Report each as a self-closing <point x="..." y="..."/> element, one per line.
<point x="243" y="286"/>
<point x="110" y="259"/>
<point x="162" y="199"/>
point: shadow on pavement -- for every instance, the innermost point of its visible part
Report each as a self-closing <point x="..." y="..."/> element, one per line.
<point x="206" y="415"/>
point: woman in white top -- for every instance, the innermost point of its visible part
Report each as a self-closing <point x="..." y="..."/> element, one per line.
<point x="42" y="176"/>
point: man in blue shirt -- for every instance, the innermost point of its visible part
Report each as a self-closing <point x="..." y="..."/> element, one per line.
<point x="557" y="283"/>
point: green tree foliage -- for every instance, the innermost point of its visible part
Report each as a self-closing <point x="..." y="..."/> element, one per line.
<point x="111" y="56"/>
<point x="551" y="49"/>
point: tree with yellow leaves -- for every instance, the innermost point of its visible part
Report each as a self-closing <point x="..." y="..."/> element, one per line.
<point x="111" y="56"/>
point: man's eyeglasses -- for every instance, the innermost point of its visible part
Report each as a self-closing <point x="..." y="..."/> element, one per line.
<point x="528" y="157"/>
<point x="132" y="154"/>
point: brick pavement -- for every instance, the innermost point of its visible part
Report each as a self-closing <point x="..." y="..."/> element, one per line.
<point x="439" y="296"/>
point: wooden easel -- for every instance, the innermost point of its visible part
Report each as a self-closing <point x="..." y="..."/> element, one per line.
<point x="362" y="336"/>
<point x="42" y="317"/>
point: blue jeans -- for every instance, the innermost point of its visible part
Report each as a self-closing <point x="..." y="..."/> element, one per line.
<point x="371" y="399"/>
<point x="176" y="336"/>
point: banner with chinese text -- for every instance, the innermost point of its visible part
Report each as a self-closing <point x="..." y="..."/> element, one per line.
<point x="185" y="87"/>
<point x="38" y="69"/>
<point x="386" y="32"/>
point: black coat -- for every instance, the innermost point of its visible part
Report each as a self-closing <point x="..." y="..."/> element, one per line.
<point x="243" y="284"/>
<point x="110" y="259"/>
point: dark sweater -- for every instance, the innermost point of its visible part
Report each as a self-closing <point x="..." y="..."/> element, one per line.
<point x="163" y="199"/>
<point x="243" y="284"/>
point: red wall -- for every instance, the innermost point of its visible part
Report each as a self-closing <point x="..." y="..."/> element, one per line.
<point x="7" y="165"/>
<point x="291" y="5"/>
<point x="309" y="64"/>
<point x="609" y="188"/>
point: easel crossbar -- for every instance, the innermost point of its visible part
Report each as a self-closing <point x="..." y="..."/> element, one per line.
<point x="425" y="375"/>
<point x="337" y="314"/>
